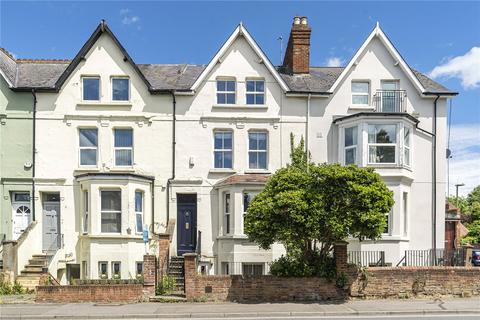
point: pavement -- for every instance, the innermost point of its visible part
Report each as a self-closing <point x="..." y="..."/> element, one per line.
<point x="454" y="308"/>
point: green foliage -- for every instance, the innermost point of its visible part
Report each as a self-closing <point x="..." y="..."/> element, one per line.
<point x="167" y="285"/>
<point x="342" y="280"/>
<point x="308" y="207"/>
<point x="9" y="289"/>
<point x="473" y="236"/>
<point x="317" y="266"/>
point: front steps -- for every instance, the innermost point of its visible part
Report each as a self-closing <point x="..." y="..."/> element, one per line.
<point x="30" y="276"/>
<point x="176" y="270"/>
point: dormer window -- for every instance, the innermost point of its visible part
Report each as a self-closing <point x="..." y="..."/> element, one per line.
<point x="255" y="92"/>
<point x="226" y="91"/>
<point x="120" y="89"/>
<point x="360" y="93"/>
<point x="91" y="88"/>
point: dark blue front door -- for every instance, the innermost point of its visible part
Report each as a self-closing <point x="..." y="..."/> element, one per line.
<point x="186" y="223"/>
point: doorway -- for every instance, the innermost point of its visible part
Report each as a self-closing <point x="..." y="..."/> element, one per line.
<point x="21" y="210"/>
<point x="186" y="223"/>
<point x="51" y="236"/>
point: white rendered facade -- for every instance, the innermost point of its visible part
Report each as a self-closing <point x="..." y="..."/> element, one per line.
<point x="88" y="241"/>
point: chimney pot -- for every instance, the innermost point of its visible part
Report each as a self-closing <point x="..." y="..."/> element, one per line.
<point x="296" y="20"/>
<point x="304" y="21"/>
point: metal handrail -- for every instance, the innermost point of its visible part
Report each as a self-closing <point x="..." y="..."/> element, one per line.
<point x="390" y="100"/>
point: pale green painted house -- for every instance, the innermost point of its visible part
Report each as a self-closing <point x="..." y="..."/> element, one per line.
<point x="16" y="136"/>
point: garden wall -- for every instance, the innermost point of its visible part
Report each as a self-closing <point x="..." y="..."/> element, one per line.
<point x="91" y="293"/>
<point x="380" y="282"/>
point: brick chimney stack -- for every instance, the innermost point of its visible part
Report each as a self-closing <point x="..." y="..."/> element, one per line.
<point x="297" y="55"/>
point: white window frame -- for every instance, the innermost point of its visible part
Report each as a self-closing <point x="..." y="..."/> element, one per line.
<point x="407" y="160"/>
<point x="222" y="150"/>
<point x="253" y="193"/>
<point x="252" y="266"/>
<point x="227" y="213"/>
<point x="226" y="92"/>
<point x="405" y="213"/>
<point x="80" y="148"/>
<point x="367" y="94"/>
<point x="119" y="269"/>
<point x="389" y="216"/>
<point x="112" y="78"/>
<point x="255" y="93"/>
<point x="353" y="146"/>
<point x="258" y="151"/>
<point x="123" y="148"/>
<point x="395" y="144"/>
<point x="111" y="211"/>
<point x="86" y="209"/>
<point x="99" y="87"/>
<point x="100" y="269"/>
<point x="139" y="213"/>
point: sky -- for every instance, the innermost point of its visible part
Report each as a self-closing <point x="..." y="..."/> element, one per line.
<point x="441" y="39"/>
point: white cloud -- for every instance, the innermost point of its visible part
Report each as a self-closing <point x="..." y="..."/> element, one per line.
<point x="465" y="161"/>
<point x="334" y="62"/>
<point x="128" y="18"/>
<point x="466" y="68"/>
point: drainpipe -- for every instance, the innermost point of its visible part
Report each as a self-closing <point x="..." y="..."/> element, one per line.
<point x="174" y="142"/>
<point x="34" y="94"/>
<point x="434" y="179"/>
<point x="307" y="127"/>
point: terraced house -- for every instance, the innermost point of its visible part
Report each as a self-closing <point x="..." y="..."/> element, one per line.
<point x="123" y="148"/>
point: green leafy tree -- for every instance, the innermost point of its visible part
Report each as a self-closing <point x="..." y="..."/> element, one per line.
<point x="308" y="207"/>
<point x="473" y="235"/>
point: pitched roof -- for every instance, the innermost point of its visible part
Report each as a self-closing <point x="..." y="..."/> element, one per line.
<point x="251" y="178"/>
<point x="27" y="74"/>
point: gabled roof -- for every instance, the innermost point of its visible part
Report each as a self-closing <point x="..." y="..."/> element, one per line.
<point x="377" y="32"/>
<point x="240" y="30"/>
<point x="101" y="28"/>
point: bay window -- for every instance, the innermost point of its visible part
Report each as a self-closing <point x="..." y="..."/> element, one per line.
<point x="351" y="137"/>
<point x="138" y="211"/>
<point x="382" y="143"/>
<point x="111" y="211"/>
<point x="227" y="213"/>
<point x="406" y="146"/>
<point x="85" y="212"/>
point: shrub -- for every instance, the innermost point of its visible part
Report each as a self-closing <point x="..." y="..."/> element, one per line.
<point x="8" y="289"/>
<point x="167" y="285"/>
<point x="317" y="266"/>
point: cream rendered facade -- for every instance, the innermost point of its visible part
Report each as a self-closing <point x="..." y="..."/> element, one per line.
<point x="191" y="185"/>
<point x="59" y="118"/>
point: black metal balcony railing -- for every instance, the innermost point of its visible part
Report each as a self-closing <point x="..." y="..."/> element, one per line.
<point x="390" y="101"/>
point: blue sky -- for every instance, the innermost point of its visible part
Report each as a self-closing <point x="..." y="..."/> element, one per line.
<point x="443" y="37"/>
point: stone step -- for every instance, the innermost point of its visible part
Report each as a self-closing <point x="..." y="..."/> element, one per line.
<point x="33" y="268"/>
<point x="28" y="282"/>
<point x="41" y="256"/>
<point x="31" y="273"/>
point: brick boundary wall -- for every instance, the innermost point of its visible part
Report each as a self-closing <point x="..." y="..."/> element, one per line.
<point x="406" y="282"/>
<point x="378" y="282"/>
<point x="91" y="293"/>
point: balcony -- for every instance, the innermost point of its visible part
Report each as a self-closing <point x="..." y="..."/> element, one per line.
<point x="390" y="101"/>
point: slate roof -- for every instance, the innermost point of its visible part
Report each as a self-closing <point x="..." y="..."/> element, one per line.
<point x="29" y="74"/>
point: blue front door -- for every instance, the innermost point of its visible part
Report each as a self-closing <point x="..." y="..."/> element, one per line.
<point x="186" y="223"/>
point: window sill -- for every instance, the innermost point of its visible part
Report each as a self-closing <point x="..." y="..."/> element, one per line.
<point x="219" y="170"/>
<point x="361" y="107"/>
<point x="87" y="169"/>
<point x="123" y="169"/>
<point x="245" y="107"/>
<point x="264" y="171"/>
<point x="104" y="104"/>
